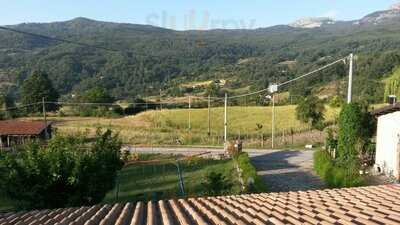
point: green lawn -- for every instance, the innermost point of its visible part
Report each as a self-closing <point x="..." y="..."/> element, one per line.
<point x="160" y="181"/>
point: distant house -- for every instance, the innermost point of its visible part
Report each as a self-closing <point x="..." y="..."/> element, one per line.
<point x="14" y="133"/>
<point x="387" y="158"/>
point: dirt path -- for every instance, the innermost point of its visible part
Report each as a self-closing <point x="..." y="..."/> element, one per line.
<point x="287" y="170"/>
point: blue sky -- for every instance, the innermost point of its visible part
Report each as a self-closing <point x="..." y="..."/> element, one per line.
<point x="184" y="14"/>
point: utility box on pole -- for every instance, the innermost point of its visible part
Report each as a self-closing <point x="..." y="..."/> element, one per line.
<point x="273" y="88"/>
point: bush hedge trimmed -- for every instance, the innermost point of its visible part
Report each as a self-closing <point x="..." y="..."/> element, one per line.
<point x="337" y="175"/>
<point x="253" y="183"/>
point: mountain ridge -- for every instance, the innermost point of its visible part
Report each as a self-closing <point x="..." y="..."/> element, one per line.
<point x="153" y="58"/>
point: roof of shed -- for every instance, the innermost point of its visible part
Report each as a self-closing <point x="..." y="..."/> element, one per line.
<point x="15" y="127"/>
<point x="386" y="110"/>
<point x="363" y="205"/>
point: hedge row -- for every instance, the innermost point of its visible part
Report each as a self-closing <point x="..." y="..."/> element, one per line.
<point x="253" y="183"/>
<point x="334" y="175"/>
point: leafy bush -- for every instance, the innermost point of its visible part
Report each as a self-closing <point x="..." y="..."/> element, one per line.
<point x="336" y="102"/>
<point x="356" y="127"/>
<point x="331" y="139"/>
<point x="337" y="175"/>
<point x="253" y="182"/>
<point x="216" y="184"/>
<point x="70" y="171"/>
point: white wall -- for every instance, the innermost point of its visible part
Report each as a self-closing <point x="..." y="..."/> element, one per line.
<point x="387" y="140"/>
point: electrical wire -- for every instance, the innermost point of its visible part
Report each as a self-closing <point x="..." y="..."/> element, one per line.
<point x="114" y="50"/>
<point x="20" y="107"/>
<point x="312" y="72"/>
<point x="290" y="81"/>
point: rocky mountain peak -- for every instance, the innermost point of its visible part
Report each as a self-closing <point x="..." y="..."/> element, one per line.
<point x="312" y="22"/>
<point x="381" y="16"/>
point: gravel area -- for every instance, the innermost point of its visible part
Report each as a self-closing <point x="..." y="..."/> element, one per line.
<point x="287" y="170"/>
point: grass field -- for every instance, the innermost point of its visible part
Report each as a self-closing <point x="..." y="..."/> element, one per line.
<point x="160" y="181"/>
<point x="166" y="126"/>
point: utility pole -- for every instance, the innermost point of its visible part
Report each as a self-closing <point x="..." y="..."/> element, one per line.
<point x="225" y="118"/>
<point x="350" y="85"/>
<point x="273" y="123"/>
<point x="190" y="109"/>
<point x="160" y="100"/>
<point x="44" y="118"/>
<point x="209" y="115"/>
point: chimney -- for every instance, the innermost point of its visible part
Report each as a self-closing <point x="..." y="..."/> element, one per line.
<point x="392" y="99"/>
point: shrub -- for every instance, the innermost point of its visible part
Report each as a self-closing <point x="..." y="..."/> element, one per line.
<point x="336" y="102"/>
<point x="253" y="183"/>
<point x="331" y="139"/>
<point x="337" y="175"/>
<point x="70" y="171"/>
<point x="356" y="127"/>
<point x="216" y="184"/>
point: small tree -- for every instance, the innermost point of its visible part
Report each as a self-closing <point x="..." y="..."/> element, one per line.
<point x="35" y="88"/>
<point x="214" y="89"/>
<point x="356" y="127"/>
<point x="311" y="110"/>
<point x="70" y="171"/>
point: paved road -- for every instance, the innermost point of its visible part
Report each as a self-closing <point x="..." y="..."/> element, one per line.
<point x="287" y="170"/>
<point x="282" y="170"/>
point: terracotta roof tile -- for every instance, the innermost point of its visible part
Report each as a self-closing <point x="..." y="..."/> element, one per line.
<point x="14" y="127"/>
<point x="366" y="205"/>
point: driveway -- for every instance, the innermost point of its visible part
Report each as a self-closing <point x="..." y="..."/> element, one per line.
<point x="287" y="170"/>
<point x="282" y="170"/>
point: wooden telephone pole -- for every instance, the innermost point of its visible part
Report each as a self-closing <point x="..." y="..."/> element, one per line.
<point x="44" y="118"/>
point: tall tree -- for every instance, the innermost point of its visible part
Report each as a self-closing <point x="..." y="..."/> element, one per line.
<point x="356" y="127"/>
<point x="6" y="102"/>
<point x="36" y="87"/>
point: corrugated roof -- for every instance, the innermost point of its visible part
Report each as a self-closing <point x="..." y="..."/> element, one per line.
<point x="14" y="127"/>
<point x="364" y="205"/>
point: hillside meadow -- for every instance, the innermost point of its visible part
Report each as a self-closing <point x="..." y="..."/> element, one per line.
<point x="171" y="126"/>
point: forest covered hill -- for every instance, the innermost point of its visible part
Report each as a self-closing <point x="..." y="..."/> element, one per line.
<point x="151" y="58"/>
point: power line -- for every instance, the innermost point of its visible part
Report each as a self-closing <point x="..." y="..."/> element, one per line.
<point x="290" y="81"/>
<point x="97" y="104"/>
<point x="312" y="72"/>
<point x="116" y="104"/>
<point x="19" y="107"/>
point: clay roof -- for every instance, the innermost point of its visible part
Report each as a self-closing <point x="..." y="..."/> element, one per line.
<point x="386" y="110"/>
<point x="364" y="205"/>
<point x="14" y="127"/>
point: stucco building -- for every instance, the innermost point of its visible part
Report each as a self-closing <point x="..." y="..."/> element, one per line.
<point x="387" y="158"/>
